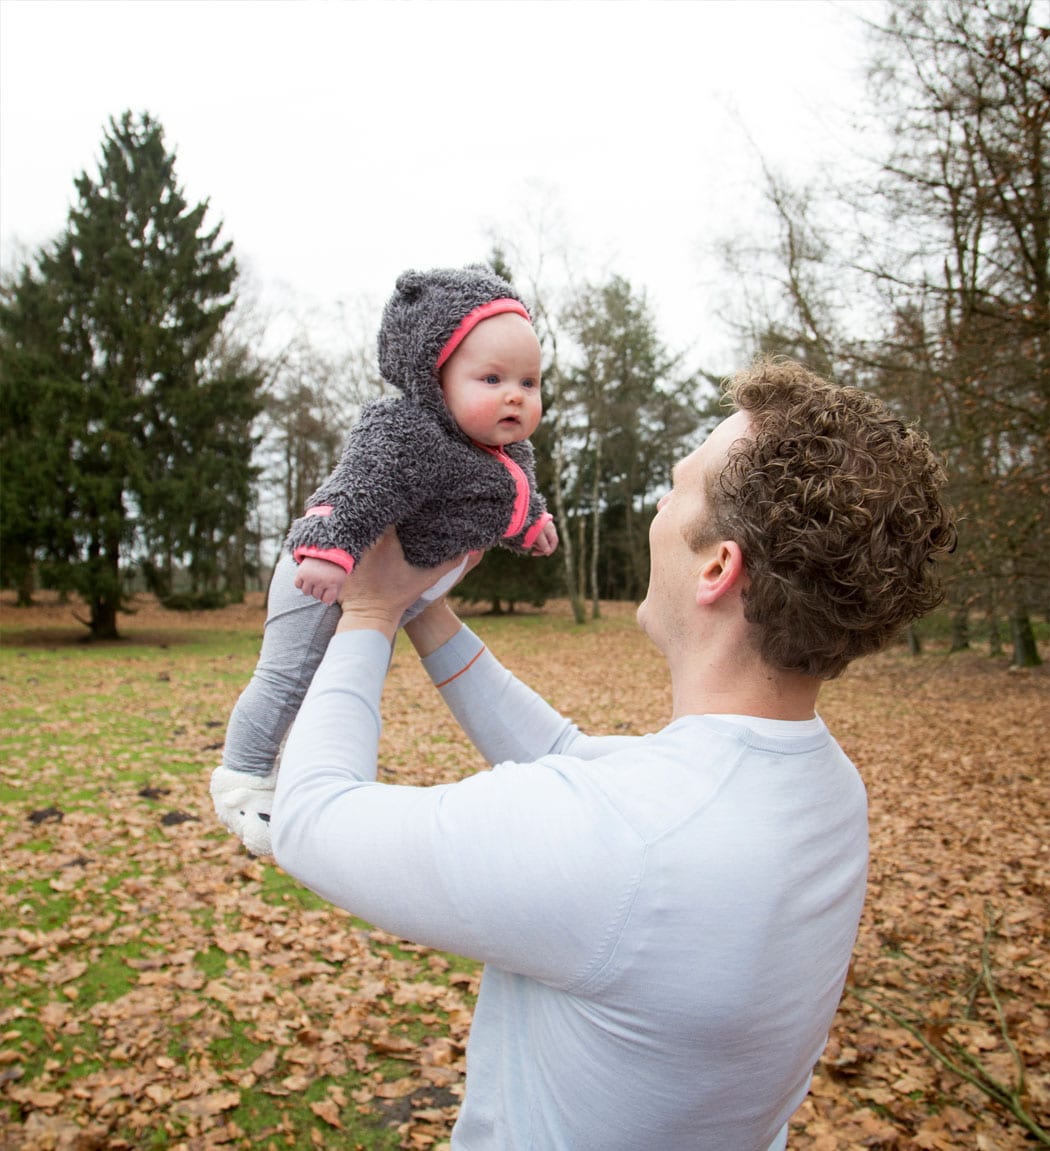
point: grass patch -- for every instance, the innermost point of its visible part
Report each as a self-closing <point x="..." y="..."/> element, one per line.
<point x="141" y="946"/>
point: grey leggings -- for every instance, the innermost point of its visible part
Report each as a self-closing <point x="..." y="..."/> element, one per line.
<point x="298" y="628"/>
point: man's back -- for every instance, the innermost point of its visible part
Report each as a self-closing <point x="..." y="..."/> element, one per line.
<point x="703" y="1004"/>
<point x="666" y="921"/>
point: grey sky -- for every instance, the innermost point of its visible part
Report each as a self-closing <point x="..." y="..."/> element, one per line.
<point x="341" y="141"/>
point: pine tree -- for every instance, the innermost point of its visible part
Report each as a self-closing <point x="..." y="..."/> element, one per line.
<point x="36" y="388"/>
<point x="124" y="371"/>
<point x="632" y="409"/>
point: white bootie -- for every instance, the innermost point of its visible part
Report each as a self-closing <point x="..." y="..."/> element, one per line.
<point x="243" y="803"/>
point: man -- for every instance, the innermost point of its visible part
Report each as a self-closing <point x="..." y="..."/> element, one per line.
<point x="666" y="921"/>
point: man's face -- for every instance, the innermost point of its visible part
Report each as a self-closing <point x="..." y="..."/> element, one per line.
<point x="674" y="567"/>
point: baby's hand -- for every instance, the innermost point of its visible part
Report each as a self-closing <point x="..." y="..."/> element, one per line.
<point x="547" y="541"/>
<point x="321" y="579"/>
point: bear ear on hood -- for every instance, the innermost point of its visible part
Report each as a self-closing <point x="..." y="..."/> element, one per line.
<point x="410" y="284"/>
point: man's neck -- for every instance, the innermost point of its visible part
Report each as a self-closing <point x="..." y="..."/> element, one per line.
<point x="742" y="687"/>
<point x="762" y="707"/>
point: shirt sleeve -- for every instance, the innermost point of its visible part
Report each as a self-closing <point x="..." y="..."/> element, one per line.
<point x="376" y="483"/>
<point x="503" y="717"/>
<point x="489" y="867"/>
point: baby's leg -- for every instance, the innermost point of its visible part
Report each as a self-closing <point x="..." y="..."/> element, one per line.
<point x="298" y="628"/>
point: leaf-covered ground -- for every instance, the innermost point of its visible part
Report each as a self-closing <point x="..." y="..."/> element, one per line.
<point x="161" y="988"/>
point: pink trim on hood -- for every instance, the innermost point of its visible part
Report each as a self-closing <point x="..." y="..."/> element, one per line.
<point x="472" y="319"/>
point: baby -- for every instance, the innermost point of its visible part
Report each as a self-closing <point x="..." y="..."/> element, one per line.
<point x="448" y="462"/>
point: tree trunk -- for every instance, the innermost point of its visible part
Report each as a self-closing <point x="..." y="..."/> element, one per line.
<point x="562" y="520"/>
<point x="631" y="533"/>
<point x="596" y="522"/>
<point x="581" y="549"/>
<point x="105" y="598"/>
<point x="914" y="642"/>
<point x="103" y="618"/>
<point x="960" y="630"/>
<point x="1026" y="653"/>
<point x="578" y="614"/>
<point x="236" y="581"/>
<point x="995" y="635"/>
<point x="26" y="586"/>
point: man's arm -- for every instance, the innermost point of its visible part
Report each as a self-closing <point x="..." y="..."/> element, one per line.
<point x="437" y="625"/>
<point x="489" y="867"/>
<point x="504" y="719"/>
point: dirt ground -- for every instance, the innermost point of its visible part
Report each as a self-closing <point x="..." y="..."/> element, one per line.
<point x="942" y="1040"/>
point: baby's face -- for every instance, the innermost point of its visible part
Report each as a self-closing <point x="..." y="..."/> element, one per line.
<point x="491" y="382"/>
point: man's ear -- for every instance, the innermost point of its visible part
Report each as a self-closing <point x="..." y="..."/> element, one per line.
<point x="720" y="573"/>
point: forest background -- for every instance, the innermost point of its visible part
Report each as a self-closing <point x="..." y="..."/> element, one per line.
<point x="147" y="443"/>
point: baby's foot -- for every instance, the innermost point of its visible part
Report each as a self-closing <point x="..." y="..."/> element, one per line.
<point x="243" y="803"/>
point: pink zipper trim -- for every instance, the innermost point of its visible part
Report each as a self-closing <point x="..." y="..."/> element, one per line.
<point x="521" y="486"/>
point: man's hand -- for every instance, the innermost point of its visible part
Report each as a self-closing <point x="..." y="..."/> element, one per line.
<point x="384" y="585"/>
<point x="319" y="578"/>
<point x="547" y="541"/>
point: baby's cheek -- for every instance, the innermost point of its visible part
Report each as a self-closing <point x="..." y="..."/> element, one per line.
<point x="485" y="409"/>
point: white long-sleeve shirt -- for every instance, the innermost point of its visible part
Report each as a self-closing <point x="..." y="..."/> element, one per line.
<point x="666" y="921"/>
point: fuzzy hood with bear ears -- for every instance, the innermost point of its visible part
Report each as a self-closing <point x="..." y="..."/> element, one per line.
<point x="425" y="313"/>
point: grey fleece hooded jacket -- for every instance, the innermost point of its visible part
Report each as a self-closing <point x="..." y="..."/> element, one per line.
<point x="407" y="462"/>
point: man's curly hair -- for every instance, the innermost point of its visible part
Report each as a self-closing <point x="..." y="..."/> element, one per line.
<point x="837" y="507"/>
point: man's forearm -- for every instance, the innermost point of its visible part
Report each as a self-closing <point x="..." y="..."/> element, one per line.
<point x="432" y="628"/>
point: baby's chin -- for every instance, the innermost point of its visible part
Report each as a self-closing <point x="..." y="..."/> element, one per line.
<point x="501" y="436"/>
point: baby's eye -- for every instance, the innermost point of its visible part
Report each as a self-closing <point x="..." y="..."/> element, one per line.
<point x="492" y="378"/>
<point x="530" y="383"/>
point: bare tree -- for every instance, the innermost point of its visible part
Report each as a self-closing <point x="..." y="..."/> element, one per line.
<point x="948" y="261"/>
<point x="313" y="398"/>
<point x="792" y="283"/>
<point x="966" y="84"/>
<point x="531" y="261"/>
